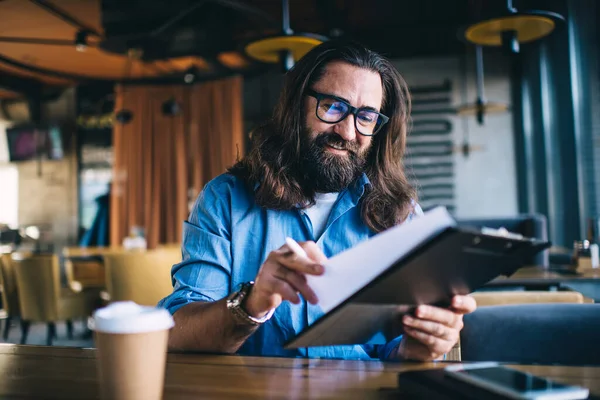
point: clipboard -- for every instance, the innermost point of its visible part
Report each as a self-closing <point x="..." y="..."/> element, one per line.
<point x="454" y="261"/>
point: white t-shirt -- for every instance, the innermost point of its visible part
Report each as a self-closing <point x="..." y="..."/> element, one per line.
<point x="319" y="213"/>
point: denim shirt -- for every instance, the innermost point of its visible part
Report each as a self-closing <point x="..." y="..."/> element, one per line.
<point x="228" y="237"/>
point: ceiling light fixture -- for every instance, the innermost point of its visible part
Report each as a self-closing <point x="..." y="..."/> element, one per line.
<point x="190" y="75"/>
<point x="285" y="48"/>
<point x="481" y="107"/>
<point x="512" y="28"/>
<point x="81" y="40"/>
<point x="124" y="116"/>
<point x="171" y="107"/>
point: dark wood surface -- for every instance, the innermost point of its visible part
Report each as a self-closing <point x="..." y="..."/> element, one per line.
<point x="70" y="373"/>
<point x="540" y="276"/>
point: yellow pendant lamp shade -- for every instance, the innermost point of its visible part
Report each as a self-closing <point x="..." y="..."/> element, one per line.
<point x="268" y="50"/>
<point x="527" y="28"/>
<point x="511" y="28"/>
<point x="285" y="48"/>
<point x="489" y="107"/>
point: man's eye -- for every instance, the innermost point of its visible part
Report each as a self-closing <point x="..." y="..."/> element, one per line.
<point x="367" y="117"/>
<point x="333" y="106"/>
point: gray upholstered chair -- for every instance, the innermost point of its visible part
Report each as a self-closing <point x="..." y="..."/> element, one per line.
<point x="533" y="333"/>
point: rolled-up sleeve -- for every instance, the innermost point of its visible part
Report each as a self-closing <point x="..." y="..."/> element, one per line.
<point x="205" y="270"/>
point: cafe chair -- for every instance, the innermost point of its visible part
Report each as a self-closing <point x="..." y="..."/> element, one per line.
<point x="42" y="299"/>
<point x="565" y="334"/>
<point x="498" y="298"/>
<point x="528" y="225"/>
<point x="10" y="293"/>
<point x="140" y="276"/>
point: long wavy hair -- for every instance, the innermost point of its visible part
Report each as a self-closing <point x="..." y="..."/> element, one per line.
<point x="274" y="162"/>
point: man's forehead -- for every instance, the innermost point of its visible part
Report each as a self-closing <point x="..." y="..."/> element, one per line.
<point x="360" y="86"/>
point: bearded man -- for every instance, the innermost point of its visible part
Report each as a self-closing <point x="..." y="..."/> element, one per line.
<point x="326" y="170"/>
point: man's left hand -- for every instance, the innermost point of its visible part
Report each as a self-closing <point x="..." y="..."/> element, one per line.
<point x="431" y="332"/>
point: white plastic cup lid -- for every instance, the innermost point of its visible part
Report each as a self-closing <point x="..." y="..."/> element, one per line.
<point x="129" y="317"/>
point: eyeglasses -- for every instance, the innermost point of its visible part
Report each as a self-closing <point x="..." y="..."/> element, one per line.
<point x="331" y="109"/>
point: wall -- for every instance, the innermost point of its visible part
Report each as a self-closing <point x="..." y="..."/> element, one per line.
<point x="260" y="96"/>
<point x="484" y="181"/>
<point x="50" y="198"/>
<point x="3" y="142"/>
<point x="9" y="183"/>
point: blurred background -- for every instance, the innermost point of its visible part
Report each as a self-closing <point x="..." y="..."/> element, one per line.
<point x="114" y="114"/>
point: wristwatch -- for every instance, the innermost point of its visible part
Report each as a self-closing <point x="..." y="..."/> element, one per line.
<point x="235" y="304"/>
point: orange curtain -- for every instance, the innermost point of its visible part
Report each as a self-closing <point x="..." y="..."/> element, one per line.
<point x="162" y="162"/>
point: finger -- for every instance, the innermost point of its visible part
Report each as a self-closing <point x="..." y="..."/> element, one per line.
<point x="433" y="328"/>
<point x="412" y="349"/>
<point x="284" y="290"/>
<point x="299" y="264"/>
<point x="464" y="304"/>
<point x="441" y="315"/>
<point x="313" y="251"/>
<point x="298" y="282"/>
<point x="435" y="345"/>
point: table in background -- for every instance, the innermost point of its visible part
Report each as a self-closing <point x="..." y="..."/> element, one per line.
<point x="69" y="373"/>
<point x="84" y="266"/>
<point x="538" y="278"/>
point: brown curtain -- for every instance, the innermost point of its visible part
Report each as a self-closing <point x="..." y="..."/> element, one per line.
<point x="162" y="162"/>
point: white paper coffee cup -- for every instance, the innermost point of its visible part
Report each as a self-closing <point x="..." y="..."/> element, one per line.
<point x="131" y="343"/>
<point x="128" y="317"/>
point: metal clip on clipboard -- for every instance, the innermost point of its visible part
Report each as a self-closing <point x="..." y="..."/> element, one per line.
<point x="502" y="232"/>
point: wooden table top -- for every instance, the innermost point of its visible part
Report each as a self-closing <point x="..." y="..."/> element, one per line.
<point x="82" y="252"/>
<point x="539" y="275"/>
<point x="69" y="373"/>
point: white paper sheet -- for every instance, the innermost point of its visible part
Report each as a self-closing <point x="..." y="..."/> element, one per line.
<point x="354" y="268"/>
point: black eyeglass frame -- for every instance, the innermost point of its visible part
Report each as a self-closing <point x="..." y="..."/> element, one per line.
<point x="351" y="110"/>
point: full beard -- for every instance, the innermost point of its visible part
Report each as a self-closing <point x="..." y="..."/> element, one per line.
<point x="327" y="172"/>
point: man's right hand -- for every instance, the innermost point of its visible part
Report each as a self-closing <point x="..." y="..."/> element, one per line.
<point x="282" y="277"/>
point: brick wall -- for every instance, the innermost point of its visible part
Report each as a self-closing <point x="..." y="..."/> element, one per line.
<point x="50" y="199"/>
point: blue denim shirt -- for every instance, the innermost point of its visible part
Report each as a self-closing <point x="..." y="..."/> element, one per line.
<point x="228" y="237"/>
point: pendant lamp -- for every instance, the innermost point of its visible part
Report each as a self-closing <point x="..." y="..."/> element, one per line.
<point x="481" y="107"/>
<point x="284" y="48"/>
<point x="512" y="28"/>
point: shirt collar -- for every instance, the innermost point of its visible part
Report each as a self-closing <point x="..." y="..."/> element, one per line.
<point x="359" y="186"/>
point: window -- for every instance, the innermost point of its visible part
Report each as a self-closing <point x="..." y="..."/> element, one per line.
<point x="9" y="200"/>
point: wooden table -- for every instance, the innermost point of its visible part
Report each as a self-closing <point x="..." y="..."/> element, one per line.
<point x="537" y="278"/>
<point x="84" y="266"/>
<point x="69" y="373"/>
<point x="540" y="276"/>
<point x="83" y="252"/>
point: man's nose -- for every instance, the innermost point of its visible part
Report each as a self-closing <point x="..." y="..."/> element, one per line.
<point x="346" y="128"/>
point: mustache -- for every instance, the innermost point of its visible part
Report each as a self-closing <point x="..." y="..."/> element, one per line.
<point x="334" y="139"/>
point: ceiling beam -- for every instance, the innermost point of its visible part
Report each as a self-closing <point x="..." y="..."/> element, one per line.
<point x="64" y="16"/>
